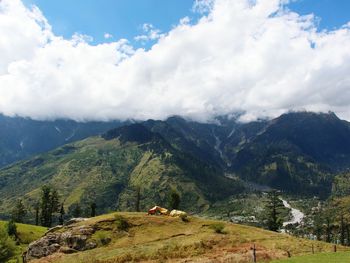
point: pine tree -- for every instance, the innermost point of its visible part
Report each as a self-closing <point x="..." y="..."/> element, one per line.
<point x="37" y="211"/>
<point x="45" y="215"/>
<point x="54" y="204"/>
<point x="7" y="246"/>
<point x="76" y="211"/>
<point x="138" y="198"/>
<point x="62" y="213"/>
<point x="329" y="214"/>
<point x="174" y="202"/>
<point x="11" y="228"/>
<point x="49" y="205"/>
<point x="19" y="212"/>
<point x="317" y="222"/>
<point x="93" y="209"/>
<point x="273" y="211"/>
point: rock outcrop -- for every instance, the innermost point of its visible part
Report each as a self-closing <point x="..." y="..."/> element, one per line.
<point x="68" y="239"/>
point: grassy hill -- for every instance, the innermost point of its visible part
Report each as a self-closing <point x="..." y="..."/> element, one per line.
<point x="163" y="238"/>
<point x="109" y="170"/>
<point x="26" y="235"/>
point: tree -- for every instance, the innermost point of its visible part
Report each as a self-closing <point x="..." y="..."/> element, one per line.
<point x="62" y="213"/>
<point x="93" y="209"/>
<point x="138" y="198"/>
<point x="273" y="211"/>
<point x="7" y="246"/>
<point x="338" y="217"/>
<point x="49" y="205"/>
<point x="45" y="216"/>
<point x="318" y="222"/>
<point x="342" y="230"/>
<point x="76" y="212"/>
<point x="54" y="204"/>
<point x="37" y="212"/>
<point x="11" y="228"/>
<point x="19" y="212"/>
<point x="174" y="202"/>
<point x="329" y="227"/>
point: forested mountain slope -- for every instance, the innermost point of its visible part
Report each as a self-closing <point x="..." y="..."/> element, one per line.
<point x="21" y="138"/>
<point x="299" y="152"/>
<point x="110" y="170"/>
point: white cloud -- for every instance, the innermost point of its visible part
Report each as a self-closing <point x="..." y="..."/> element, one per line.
<point x="150" y="33"/>
<point x="22" y="32"/>
<point x="244" y="55"/>
<point x="203" y="6"/>
<point x="107" y="36"/>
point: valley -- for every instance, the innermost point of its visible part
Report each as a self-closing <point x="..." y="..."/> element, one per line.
<point x="204" y="131"/>
<point x="223" y="170"/>
<point x="297" y="215"/>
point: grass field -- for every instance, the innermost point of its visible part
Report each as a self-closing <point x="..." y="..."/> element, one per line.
<point x="164" y="238"/>
<point x="339" y="257"/>
<point x="26" y="234"/>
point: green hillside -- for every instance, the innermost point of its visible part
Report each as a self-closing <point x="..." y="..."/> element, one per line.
<point x="110" y="170"/>
<point x="165" y="238"/>
<point x="26" y="235"/>
<point x="299" y="153"/>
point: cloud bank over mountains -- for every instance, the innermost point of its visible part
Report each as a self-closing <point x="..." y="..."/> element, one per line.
<point x="256" y="57"/>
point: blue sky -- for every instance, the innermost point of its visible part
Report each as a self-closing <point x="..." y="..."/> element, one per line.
<point x="333" y="13"/>
<point x="124" y="18"/>
<point x="121" y="18"/>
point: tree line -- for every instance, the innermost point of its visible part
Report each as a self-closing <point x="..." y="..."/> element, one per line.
<point x="329" y="221"/>
<point x="49" y="209"/>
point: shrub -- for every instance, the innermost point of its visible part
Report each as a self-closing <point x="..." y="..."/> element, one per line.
<point x="103" y="238"/>
<point x="11" y="228"/>
<point x="7" y="246"/>
<point x="122" y="223"/>
<point x="218" y="228"/>
<point x="174" y="201"/>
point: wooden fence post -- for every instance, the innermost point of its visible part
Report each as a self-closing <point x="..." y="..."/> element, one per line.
<point x="313" y="250"/>
<point x="254" y="253"/>
<point x="288" y="253"/>
<point x="335" y="248"/>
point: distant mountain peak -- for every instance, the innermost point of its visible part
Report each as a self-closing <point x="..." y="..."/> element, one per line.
<point x="131" y="133"/>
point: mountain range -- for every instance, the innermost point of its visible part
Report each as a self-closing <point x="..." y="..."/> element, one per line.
<point x="298" y="153"/>
<point x="21" y="138"/>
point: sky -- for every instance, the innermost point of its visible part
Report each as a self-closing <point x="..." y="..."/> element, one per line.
<point x="141" y="59"/>
<point x="118" y="18"/>
<point x="124" y="18"/>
